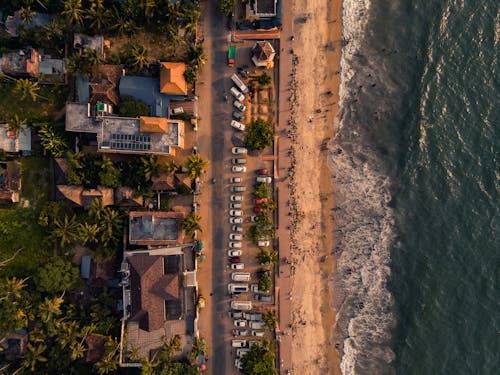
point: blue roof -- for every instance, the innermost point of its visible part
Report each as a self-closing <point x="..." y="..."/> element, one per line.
<point x="82" y="85"/>
<point x="146" y="89"/>
<point x="85" y="267"/>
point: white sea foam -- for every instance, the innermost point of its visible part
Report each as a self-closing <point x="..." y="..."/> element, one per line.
<point x="364" y="223"/>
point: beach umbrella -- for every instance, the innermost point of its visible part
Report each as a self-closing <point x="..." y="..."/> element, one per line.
<point x="203" y="367"/>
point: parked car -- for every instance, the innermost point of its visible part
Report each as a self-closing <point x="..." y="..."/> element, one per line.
<point x="257" y="333"/>
<point x="258" y="201"/>
<point x="262" y="298"/>
<point x="240" y="323"/>
<point x="236" y="212"/>
<point x="236" y="198"/>
<point x="254" y="218"/>
<point x="234" y="180"/>
<point x="240" y="332"/>
<point x="236" y="314"/>
<point x="241" y="352"/>
<point x="238" y="364"/>
<point x="235" y="260"/>
<point x="235" y="236"/>
<point x="238" y="160"/>
<point x="265" y="179"/>
<point x="241" y="107"/>
<point x="257" y="317"/>
<point x="255" y="288"/>
<point x="235" y="245"/>
<point x="238" y="116"/>
<point x="263" y="171"/>
<point x="238" y="266"/>
<point x="238" y="169"/>
<point x="236" y="228"/>
<point x="234" y="253"/>
<point x="257" y="325"/>
<point x="237" y="94"/>
<point x="257" y="210"/>
<point x="239" y="150"/>
<point x="237" y="125"/>
<point x="235" y="205"/>
<point x="236" y="220"/>
<point x="263" y="243"/>
<point x="238" y="189"/>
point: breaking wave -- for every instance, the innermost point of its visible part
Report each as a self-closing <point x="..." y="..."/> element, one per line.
<point x="364" y="220"/>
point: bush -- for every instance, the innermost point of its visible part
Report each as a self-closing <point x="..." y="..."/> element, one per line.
<point x="264" y="79"/>
<point x="226" y="6"/>
<point x="259" y="134"/>
<point x="56" y="276"/>
<point x="129" y="107"/>
<point x="265" y="283"/>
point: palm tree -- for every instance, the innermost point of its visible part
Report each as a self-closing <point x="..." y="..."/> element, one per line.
<point x="27" y="89"/>
<point x="26" y="13"/>
<point x="12" y="288"/>
<point x="139" y="55"/>
<point x="33" y="355"/>
<point x="270" y="318"/>
<point x="66" y="230"/>
<point x="150" y="167"/>
<point x="49" y="308"/>
<point x="73" y="11"/>
<point x="148" y="7"/>
<point x="16" y="125"/>
<point x="51" y="141"/>
<point x="122" y="23"/>
<point x="191" y="224"/>
<point x="195" y="165"/>
<point x="196" y="55"/>
<point x="92" y="58"/>
<point x="98" y="18"/>
<point x="110" y="225"/>
<point x="88" y="233"/>
<point x="267" y="257"/>
<point x="96" y="209"/>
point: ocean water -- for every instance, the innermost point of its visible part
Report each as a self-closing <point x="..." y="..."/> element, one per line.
<point x="415" y="169"/>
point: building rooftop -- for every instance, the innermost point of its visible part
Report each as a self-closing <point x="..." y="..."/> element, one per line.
<point x="155" y="290"/>
<point x="263" y="8"/>
<point x="82" y="41"/>
<point x="146" y="89"/>
<point x="155" y="228"/>
<point x="9" y="143"/>
<point x="172" y="78"/>
<point x="127" y="135"/>
<point x="23" y="62"/>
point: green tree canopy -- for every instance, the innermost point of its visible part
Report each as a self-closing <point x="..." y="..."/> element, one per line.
<point x="262" y="191"/>
<point x="129" y="107"/>
<point x="56" y="276"/>
<point x="264" y="79"/>
<point x="267" y="257"/>
<point x="259" y="134"/>
<point x="226" y="6"/>
<point x="265" y="283"/>
<point x="259" y="360"/>
<point x="195" y="165"/>
<point x="52" y="140"/>
<point x="191" y="223"/>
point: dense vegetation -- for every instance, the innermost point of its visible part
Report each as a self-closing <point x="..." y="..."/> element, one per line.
<point x="259" y="360"/>
<point x="259" y="134"/>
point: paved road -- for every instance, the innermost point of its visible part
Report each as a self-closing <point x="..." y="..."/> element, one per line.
<point x="214" y="140"/>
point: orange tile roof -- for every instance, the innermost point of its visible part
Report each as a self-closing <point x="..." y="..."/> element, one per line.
<point x="153" y="124"/>
<point x="172" y="78"/>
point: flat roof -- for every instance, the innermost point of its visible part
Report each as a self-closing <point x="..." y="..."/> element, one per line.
<point x="155" y="228"/>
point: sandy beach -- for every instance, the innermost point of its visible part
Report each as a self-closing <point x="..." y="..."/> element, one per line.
<point x="317" y="41"/>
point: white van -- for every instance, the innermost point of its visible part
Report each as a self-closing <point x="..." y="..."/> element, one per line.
<point x="239" y="343"/>
<point x="237" y="288"/>
<point x="240" y="276"/>
<point x="237" y="94"/>
<point x="242" y="305"/>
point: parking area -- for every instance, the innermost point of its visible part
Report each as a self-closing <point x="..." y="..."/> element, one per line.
<point x="251" y="309"/>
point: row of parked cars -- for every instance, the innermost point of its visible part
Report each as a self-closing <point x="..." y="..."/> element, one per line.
<point x="248" y="326"/>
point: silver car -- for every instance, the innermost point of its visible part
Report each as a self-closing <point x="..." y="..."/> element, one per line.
<point x="238" y="169"/>
<point x="241" y="107"/>
<point x="234" y="180"/>
<point x="234" y="245"/>
<point x="236" y="198"/>
<point x="239" y="150"/>
<point x="235" y="236"/>
<point x="236" y="212"/>
<point x="236" y="228"/>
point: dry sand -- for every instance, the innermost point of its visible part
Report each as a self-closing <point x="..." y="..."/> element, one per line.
<point x="317" y="44"/>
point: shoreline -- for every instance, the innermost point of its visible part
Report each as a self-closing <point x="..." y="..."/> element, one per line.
<point x="315" y="108"/>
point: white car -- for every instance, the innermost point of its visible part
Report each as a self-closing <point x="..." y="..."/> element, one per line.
<point x="235" y="237"/>
<point x="241" y="107"/>
<point x="254" y="218"/>
<point x="236" y="220"/>
<point x="240" y="323"/>
<point x="237" y="125"/>
<point x="265" y="179"/>
<point x="236" y="198"/>
<point x="238" y="169"/>
<point x="257" y="333"/>
<point x="236" y="212"/>
<point x="238" y="266"/>
<point x="234" y="205"/>
<point x="234" y="253"/>
<point x="263" y="243"/>
<point x="236" y="228"/>
<point x="235" y="245"/>
<point x="239" y="150"/>
<point x="238" y="364"/>
<point x="241" y="332"/>
<point x="237" y="94"/>
<point x="241" y="352"/>
<point x="233" y="180"/>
